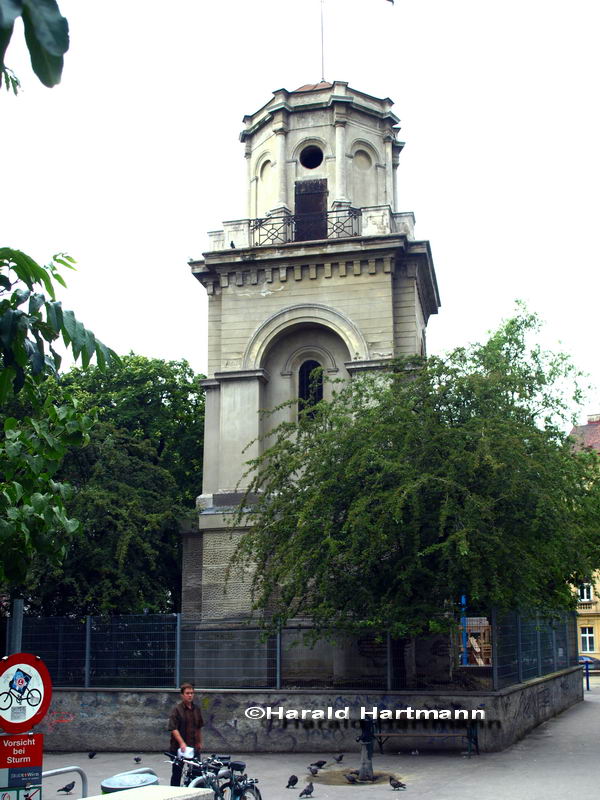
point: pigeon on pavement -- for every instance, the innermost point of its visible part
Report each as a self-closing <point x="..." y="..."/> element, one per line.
<point x="338" y="759"/>
<point x="292" y="781"/>
<point x="137" y="759"/>
<point x="351" y="778"/>
<point x="68" y="788"/>
<point x="396" y="784"/>
<point x="313" y="770"/>
<point x="307" y="791"/>
<point x="92" y="754"/>
<point x="318" y="764"/>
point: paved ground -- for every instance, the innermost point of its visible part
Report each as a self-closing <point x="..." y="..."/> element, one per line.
<point x="560" y="760"/>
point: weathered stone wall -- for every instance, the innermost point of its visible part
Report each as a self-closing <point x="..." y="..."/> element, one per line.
<point x="113" y="720"/>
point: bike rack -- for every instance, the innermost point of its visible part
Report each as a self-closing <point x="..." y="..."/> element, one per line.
<point x="62" y="770"/>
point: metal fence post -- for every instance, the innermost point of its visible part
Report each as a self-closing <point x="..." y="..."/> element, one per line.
<point x="178" y="651"/>
<point x="88" y="651"/>
<point x="16" y="626"/>
<point x="464" y="653"/>
<point x="388" y="665"/>
<point x="495" y="681"/>
<point x="587" y="676"/>
<point x="554" y="658"/>
<point x="538" y="643"/>
<point x="278" y="659"/>
<point x="519" y="647"/>
<point x="567" y="632"/>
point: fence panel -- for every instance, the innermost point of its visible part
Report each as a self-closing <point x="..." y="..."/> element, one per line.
<point x="137" y="651"/>
<point x="60" y="643"/>
<point x="227" y="658"/>
<point x="160" y="650"/>
<point x="508" y="651"/>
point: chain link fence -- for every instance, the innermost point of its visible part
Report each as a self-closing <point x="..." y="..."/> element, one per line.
<point x="528" y="646"/>
<point x="485" y="652"/>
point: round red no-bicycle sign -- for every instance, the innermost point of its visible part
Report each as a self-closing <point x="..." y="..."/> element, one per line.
<point x="25" y="692"/>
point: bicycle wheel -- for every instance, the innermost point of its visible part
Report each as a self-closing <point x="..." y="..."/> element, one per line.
<point x="34" y="697"/>
<point x="5" y="701"/>
<point x="225" y="791"/>
<point x="251" y="793"/>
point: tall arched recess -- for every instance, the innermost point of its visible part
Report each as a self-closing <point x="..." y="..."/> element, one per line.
<point x="298" y="315"/>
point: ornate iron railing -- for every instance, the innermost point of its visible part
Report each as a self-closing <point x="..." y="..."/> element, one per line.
<point x="337" y="224"/>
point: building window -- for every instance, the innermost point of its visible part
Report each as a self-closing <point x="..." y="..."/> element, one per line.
<point x="310" y="384"/>
<point x="311" y="157"/>
<point x="587" y="640"/>
<point x="585" y="593"/>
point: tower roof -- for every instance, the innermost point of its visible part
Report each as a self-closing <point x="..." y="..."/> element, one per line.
<point x="313" y="87"/>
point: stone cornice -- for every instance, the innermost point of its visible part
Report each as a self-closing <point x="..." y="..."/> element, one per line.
<point x="366" y="365"/>
<point x="305" y="251"/>
<point x="339" y="94"/>
<point x="209" y="383"/>
<point x="229" y="276"/>
<point x="243" y="375"/>
<point x="333" y="258"/>
<point x="418" y="264"/>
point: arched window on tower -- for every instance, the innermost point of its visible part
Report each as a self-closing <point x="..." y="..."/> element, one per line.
<point x="310" y="384"/>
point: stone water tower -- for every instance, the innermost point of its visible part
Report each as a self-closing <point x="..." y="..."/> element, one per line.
<point x="324" y="270"/>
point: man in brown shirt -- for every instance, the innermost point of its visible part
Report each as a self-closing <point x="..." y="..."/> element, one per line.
<point x="185" y="724"/>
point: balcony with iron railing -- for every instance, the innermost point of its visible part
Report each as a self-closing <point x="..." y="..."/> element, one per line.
<point x="338" y="224"/>
<point x="342" y="223"/>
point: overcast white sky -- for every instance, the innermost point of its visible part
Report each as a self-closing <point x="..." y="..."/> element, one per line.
<point x="135" y="155"/>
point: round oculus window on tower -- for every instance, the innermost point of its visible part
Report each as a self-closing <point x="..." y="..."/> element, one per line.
<point x="311" y="157"/>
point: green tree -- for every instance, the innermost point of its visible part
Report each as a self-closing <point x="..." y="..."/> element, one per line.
<point x="33" y="518"/>
<point x="440" y="478"/>
<point x="160" y="401"/>
<point x="133" y="484"/>
<point x="125" y="556"/>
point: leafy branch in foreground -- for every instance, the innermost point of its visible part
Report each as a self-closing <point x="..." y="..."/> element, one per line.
<point x="46" y="36"/>
<point x="37" y="431"/>
<point x="33" y="518"/>
<point x="440" y="478"/>
<point x="30" y="323"/>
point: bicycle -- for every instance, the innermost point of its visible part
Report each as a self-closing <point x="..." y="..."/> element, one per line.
<point x="18" y="690"/>
<point x="209" y="773"/>
<point x="240" y="787"/>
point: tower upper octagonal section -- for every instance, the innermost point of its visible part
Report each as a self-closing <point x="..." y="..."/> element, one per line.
<point x="328" y="133"/>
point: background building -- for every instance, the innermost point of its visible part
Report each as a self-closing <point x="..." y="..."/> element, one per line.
<point x="588" y="607"/>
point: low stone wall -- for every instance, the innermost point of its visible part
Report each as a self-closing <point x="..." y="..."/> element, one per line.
<point x="124" y="720"/>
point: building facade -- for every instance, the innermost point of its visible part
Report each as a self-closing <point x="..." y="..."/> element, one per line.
<point x="588" y="606"/>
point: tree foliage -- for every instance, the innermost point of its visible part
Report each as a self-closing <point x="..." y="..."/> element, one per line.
<point x="124" y="557"/>
<point x="33" y="516"/>
<point x="440" y="478"/>
<point x="46" y="36"/>
<point x="31" y="323"/>
<point x="37" y="430"/>
<point x="132" y="486"/>
<point x="160" y="401"/>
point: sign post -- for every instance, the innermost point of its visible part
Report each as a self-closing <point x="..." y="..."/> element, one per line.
<point x="25" y="694"/>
